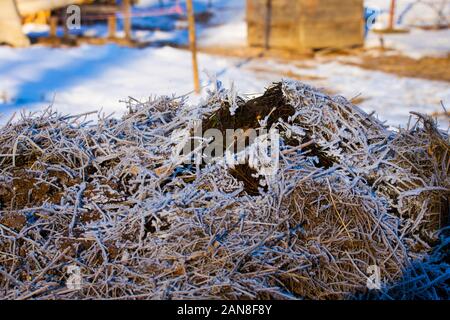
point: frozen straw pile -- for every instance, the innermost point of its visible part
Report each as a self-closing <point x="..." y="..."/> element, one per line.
<point x="111" y="199"/>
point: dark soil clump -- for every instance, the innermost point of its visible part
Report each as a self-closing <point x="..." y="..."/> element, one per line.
<point x="271" y="106"/>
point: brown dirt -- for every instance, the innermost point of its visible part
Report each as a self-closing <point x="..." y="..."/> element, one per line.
<point x="91" y="216"/>
<point x="285" y="56"/>
<point x="431" y="68"/>
<point x="14" y="220"/>
<point x="255" y="53"/>
<point x="390" y="31"/>
<point x="247" y="116"/>
<point x="26" y="189"/>
<point x="250" y="112"/>
<point x="286" y="74"/>
<point x="426" y="68"/>
<point x="434" y="27"/>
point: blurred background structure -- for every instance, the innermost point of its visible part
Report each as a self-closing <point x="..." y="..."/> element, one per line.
<point x="305" y="25"/>
<point x="12" y="12"/>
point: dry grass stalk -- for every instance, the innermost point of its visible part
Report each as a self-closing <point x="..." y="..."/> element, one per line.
<point x="91" y="195"/>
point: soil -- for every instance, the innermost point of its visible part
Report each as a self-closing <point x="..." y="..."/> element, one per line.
<point x="286" y="74"/>
<point x="247" y="116"/>
<point x="272" y="104"/>
<point x="27" y="189"/>
<point x="250" y="112"/>
<point x="14" y="220"/>
<point x="430" y="68"/>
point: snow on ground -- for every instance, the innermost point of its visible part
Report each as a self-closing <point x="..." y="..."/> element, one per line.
<point x="229" y="28"/>
<point x="417" y="43"/>
<point x="234" y="34"/>
<point x="88" y="78"/>
<point x="412" y="12"/>
<point x="390" y="96"/>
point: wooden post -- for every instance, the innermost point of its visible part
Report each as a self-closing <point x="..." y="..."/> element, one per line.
<point x="53" y="26"/>
<point x="392" y="15"/>
<point x="193" y="44"/>
<point x="127" y="18"/>
<point x="267" y="24"/>
<point x="65" y="28"/>
<point x="112" y="26"/>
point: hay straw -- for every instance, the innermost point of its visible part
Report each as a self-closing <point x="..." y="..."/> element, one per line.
<point x="77" y="193"/>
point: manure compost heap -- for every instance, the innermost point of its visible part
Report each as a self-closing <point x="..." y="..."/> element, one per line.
<point x="112" y="199"/>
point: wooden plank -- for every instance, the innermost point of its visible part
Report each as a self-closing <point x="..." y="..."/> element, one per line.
<point x="307" y="24"/>
<point x="280" y="38"/>
<point x="280" y="14"/>
<point x="279" y="20"/>
<point x="321" y="36"/>
<point x="327" y="4"/>
<point x="330" y="10"/>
